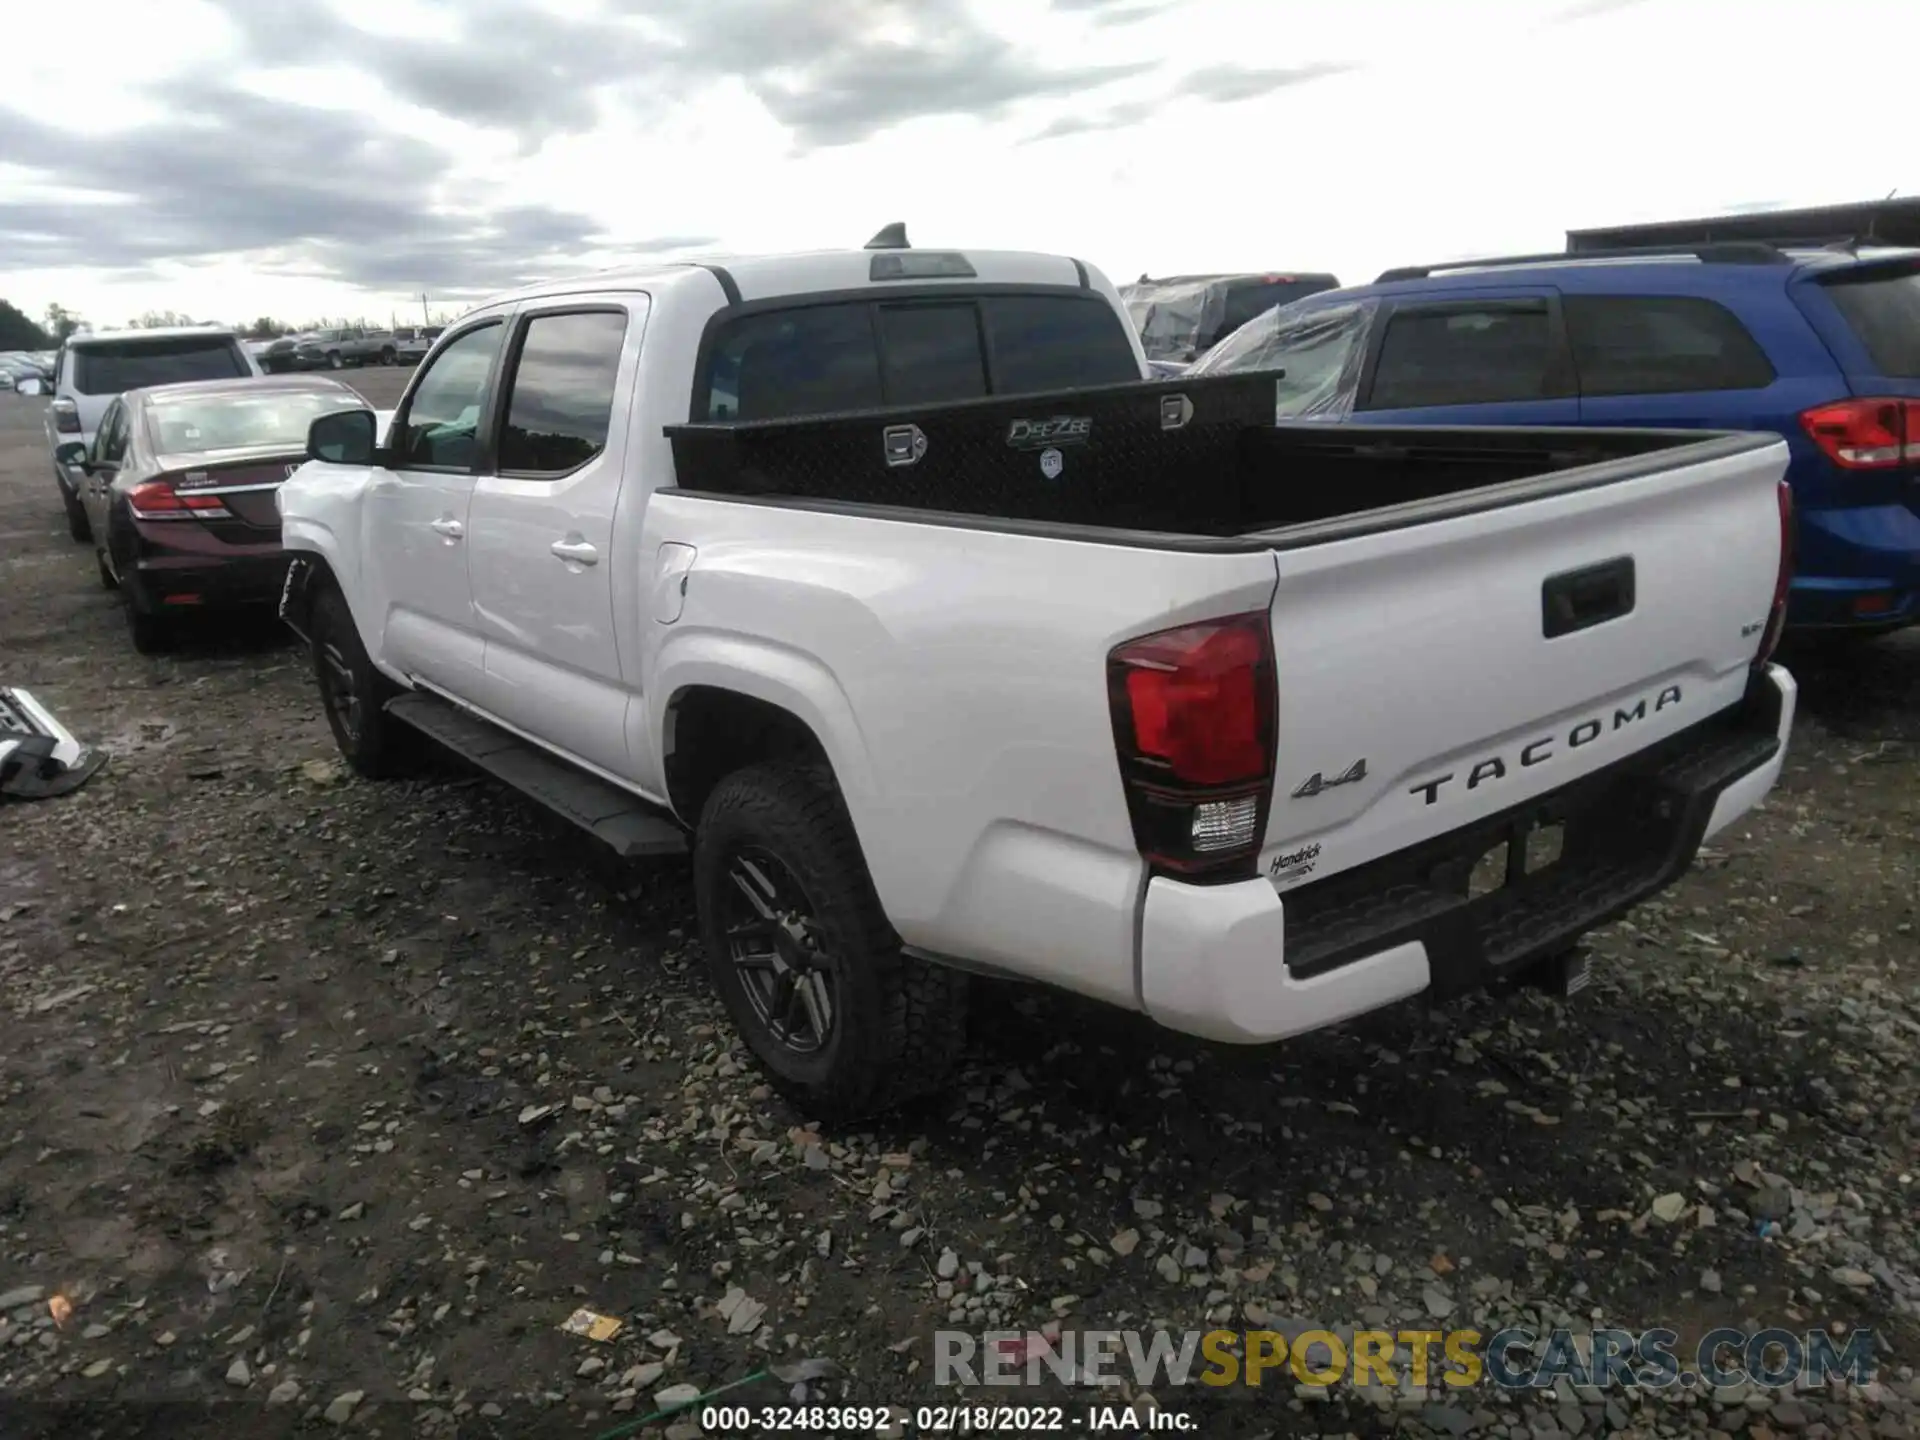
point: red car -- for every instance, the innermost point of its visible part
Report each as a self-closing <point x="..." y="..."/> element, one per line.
<point x="179" y="491"/>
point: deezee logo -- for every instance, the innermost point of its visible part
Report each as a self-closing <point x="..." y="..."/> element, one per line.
<point x="1060" y="430"/>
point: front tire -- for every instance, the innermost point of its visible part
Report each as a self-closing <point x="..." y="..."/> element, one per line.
<point x="353" y="692"/>
<point x="78" y="526"/>
<point x="333" y="360"/>
<point x="840" y="1020"/>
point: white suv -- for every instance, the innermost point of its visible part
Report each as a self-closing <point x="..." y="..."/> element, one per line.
<point x="94" y="367"/>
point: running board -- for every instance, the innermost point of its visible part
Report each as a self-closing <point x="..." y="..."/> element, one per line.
<point x="626" y="822"/>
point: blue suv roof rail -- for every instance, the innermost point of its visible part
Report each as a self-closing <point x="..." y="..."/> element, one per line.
<point x="1726" y="252"/>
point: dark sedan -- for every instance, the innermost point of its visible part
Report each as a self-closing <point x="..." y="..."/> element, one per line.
<point x="179" y="490"/>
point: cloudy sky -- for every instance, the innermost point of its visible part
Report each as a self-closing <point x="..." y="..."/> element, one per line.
<point x="229" y="158"/>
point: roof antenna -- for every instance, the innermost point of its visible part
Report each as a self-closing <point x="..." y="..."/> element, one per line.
<point x="891" y="237"/>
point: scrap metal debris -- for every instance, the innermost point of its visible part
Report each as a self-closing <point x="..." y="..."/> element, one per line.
<point x="39" y="757"/>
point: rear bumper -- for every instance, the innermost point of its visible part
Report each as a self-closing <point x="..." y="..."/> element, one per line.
<point x="1820" y="602"/>
<point x="168" y="580"/>
<point x="1237" y="963"/>
<point x="1858" y="569"/>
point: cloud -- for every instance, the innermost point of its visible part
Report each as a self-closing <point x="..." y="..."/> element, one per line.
<point x="1212" y="84"/>
<point x="833" y="74"/>
<point x="1114" y="12"/>
<point x="1588" y="9"/>
<point x="1224" y="84"/>
<point x="1114" y="117"/>
<point x="310" y="191"/>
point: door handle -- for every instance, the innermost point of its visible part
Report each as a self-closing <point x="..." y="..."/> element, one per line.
<point x="1580" y="599"/>
<point x="578" y="552"/>
<point x="452" y="529"/>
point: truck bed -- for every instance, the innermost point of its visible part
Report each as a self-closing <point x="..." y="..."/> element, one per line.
<point x="1200" y="460"/>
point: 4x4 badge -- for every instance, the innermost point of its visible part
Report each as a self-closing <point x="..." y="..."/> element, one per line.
<point x="1317" y="782"/>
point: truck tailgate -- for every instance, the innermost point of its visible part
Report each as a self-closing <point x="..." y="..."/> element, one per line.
<point x="1435" y="675"/>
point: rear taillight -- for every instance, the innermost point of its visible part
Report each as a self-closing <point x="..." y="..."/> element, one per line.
<point x="1193" y="720"/>
<point x="1782" y="580"/>
<point x="158" y="500"/>
<point x="1871" y="434"/>
<point x="66" y="417"/>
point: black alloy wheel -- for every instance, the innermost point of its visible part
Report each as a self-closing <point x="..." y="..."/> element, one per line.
<point x="353" y="692"/>
<point x="775" y="943"/>
<point x="340" y="693"/>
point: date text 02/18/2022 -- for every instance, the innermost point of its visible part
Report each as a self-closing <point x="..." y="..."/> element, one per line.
<point x="945" y="1420"/>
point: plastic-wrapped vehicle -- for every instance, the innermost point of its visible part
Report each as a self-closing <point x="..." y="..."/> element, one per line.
<point x="1315" y="350"/>
<point x="1181" y="317"/>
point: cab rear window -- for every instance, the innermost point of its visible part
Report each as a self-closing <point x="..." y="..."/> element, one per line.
<point x="115" y="366"/>
<point x="863" y="354"/>
<point x="1884" y="311"/>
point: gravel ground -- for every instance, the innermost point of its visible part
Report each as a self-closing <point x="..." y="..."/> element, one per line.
<point x="330" y="1101"/>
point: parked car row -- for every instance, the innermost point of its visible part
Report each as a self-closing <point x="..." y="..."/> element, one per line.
<point x="893" y="586"/>
<point x="331" y="349"/>
<point x="177" y="492"/>
<point x="26" y="372"/>
<point x="411" y="343"/>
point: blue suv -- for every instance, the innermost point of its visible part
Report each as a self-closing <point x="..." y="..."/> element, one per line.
<point x="1821" y="346"/>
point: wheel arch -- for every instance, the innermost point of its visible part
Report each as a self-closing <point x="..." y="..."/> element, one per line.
<point x="709" y="731"/>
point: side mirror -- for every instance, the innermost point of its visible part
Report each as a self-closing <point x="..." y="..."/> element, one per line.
<point x="347" y="437"/>
<point x="30" y="386"/>
<point x="71" y="453"/>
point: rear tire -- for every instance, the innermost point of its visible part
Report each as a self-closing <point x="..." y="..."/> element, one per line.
<point x="78" y="526"/>
<point x="152" y="633"/>
<point x="353" y="692"/>
<point x="788" y="916"/>
<point x="388" y="356"/>
<point x="107" y="582"/>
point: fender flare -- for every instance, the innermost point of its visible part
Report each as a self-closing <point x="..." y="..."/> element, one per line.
<point x="315" y="550"/>
<point x="793" y="680"/>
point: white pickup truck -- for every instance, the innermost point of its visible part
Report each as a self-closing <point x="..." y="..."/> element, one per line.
<point x="884" y="582"/>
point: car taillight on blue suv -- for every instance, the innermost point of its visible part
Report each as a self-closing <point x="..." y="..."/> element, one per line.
<point x="1876" y="433"/>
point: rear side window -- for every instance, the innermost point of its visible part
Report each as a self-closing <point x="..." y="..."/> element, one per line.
<point x="118" y="365"/>
<point x="1464" y="356"/>
<point x="859" y="355"/>
<point x="1661" y="345"/>
<point x="561" y="400"/>
<point x="1884" y="312"/>
<point x="110" y="441"/>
